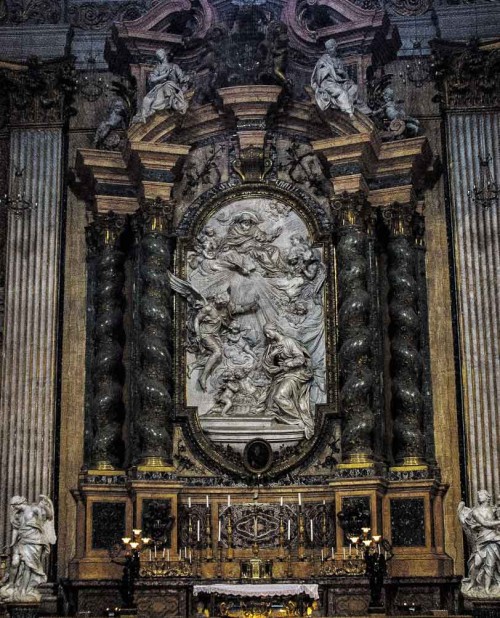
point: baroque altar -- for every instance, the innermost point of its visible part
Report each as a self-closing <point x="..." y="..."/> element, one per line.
<point x="257" y="343"/>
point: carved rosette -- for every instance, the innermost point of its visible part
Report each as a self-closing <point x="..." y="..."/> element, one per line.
<point x="405" y="327"/>
<point x="154" y="423"/>
<point x="107" y="365"/>
<point x="356" y="375"/>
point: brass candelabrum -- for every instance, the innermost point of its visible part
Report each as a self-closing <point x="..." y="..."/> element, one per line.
<point x="375" y="552"/>
<point x="133" y="546"/>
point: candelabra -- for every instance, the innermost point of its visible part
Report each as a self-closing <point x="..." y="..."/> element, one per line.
<point x="16" y="201"/>
<point x="133" y="547"/>
<point x="375" y="563"/>
<point x="488" y="192"/>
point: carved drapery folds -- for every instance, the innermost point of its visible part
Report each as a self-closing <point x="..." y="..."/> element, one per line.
<point x="154" y="422"/>
<point x="405" y="332"/>
<point x="356" y="375"/>
<point x="107" y="407"/>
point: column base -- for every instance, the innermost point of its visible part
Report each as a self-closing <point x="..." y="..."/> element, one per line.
<point x="410" y="463"/>
<point x="102" y="466"/>
<point x="357" y="460"/>
<point x="151" y="464"/>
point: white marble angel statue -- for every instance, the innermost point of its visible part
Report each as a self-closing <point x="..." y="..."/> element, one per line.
<point x="481" y="525"/>
<point x="32" y="534"/>
<point x="332" y="85"/>
<point x="167" y="83"/>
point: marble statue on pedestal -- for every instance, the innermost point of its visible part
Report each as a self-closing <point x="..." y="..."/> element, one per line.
<point x="332" y="86"/>
<point x="167" y="83"/>
<point x="481" y="525"/>
<point x="32" y="534"/>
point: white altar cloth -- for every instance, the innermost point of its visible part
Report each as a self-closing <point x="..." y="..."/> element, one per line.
<point x="259" y="590"/>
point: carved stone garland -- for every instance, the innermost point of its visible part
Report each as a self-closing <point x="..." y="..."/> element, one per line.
<point x="107" y="365"/>
<point x="405" y="327"/>
<point x="155" y="382"/>
<point x="356" y="374"/>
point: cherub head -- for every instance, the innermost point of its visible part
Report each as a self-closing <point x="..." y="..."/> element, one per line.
<point x="331" y="47"/>
<point x="388" y="94"/>
<point x="19" y="503"/>
<point x="483" y="496"/>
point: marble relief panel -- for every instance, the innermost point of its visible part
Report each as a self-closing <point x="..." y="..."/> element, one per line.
<point x="255" y="352"/>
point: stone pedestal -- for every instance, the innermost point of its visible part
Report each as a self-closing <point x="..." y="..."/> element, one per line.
<point x="23" y="610"/>
<point x="486" y="609"/>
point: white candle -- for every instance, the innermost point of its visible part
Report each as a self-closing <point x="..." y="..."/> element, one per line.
<point x="185" y="552"/>
<point x="220" y="531"/>
<point x="168" y="555"/>
<point x="288" y="529"/>
<point x="155" y="551"/>
<point x="255" y="527"/>
<point x="343" y="552"/>
<point x="180" y="555"/>
<point x="150" y="556"/>
<point x="281" y="501"/>
<point x="189" y="502"/>
<point x="324" y="502"/>
<point x="312" y="530"/>
<point x="190" y="557"/>
<point x="198" y="530"/>
<point x="333" y="556"/>
<point x="163" y="552"/>
<point x="228" y="499"/>
<point x="208" y="503"/>
<point x="300" y="499"/>
<point x="322" y="555"/>
<point x="350" y="547"/>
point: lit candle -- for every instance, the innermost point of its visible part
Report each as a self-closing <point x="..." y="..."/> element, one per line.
<point x="228" y="499"/>
<point x="198" y="530"/>
<point x="220" y="531"/>
<point x="208" y="503"/>
<point x="300" y="499"/>
<point x="312" y="530"/>
<point x="189" y="502"/>
<point x="288" y="529"/>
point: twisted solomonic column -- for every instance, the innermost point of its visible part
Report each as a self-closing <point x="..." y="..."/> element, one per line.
<point x="405" y="327"/>
<point x="107" y="408"/>
<point x="154" y="423"/>
<point x="355" y="371"/>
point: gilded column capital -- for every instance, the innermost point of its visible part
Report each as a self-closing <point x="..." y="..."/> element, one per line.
<point x="104" y="230"/>
<point x="399" y="219"/>
<point x="156" y="215"/>
<point x="351" y="209"/>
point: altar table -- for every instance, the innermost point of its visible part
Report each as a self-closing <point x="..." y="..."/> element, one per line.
<point x="258" y="590"/>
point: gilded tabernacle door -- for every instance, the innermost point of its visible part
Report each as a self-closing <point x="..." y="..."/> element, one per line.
<point x="254" y="282"/>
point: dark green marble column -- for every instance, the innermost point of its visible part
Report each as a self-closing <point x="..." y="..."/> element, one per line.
<point x="405" y="334"/>
<point x="155" y="380"/>
<point x="355" y="369"/>
<point x="107" y="371"/>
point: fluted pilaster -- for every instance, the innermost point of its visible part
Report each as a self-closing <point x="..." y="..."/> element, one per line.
<point x="29" y="354"/>
<point x="107" y="407"/>
<point x="405" y="332"/>
<point x="155" y="384"/>
<point x="356" y="374"/>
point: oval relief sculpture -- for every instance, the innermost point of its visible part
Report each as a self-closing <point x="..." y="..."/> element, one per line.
<point x="255" y="337"/>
